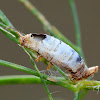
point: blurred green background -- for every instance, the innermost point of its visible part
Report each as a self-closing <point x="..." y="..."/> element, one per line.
<point x="59" y="14"/>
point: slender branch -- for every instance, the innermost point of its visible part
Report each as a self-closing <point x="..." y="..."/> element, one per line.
<point x="59" y="80"/>
<point x="30" y="79"/>
<point x="21" y="68"/>
<point x="76" y="95"/>
<point x="19" y="79"/>
<point x="45" y="86"/>
<point x="77" y="27"/>
<point x="81" y="96"/>
<point x="5" y="23"/>
<point x="76" y="22"/>
<point x="12" y="30"/>
<point x="4" y="19"/>
<point x="9" y="35"/>
<point x="78" y="33"/>
<point x="22" y="79"/>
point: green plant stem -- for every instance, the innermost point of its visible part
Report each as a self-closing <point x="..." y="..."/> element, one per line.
<point x="20" y="79"/>
<point x="30" y="79"/>
<point x="59" y="80"/>
<point x="51" y="29"/>
<point x="78" y="33"/>
<point x="3" y="25"/>
<point x="81" y="96"/>
<point x="77" y="26"/>
<point x="76" y="95"/>
<point x="7" y="24"/>
<point x="9" y="35"/>
<point x="5" y="20"/>
<point x="12" y="30"/>
<point x="21" y="68"/>
<point x="45" y="86"/>
<point x="76" y="22"/>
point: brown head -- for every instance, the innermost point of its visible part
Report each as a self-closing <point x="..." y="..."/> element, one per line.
<point x="31" y="39"/>
<point x="25" y="40"/>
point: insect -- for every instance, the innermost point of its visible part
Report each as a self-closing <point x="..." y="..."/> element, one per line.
<point x="59" y="53"/>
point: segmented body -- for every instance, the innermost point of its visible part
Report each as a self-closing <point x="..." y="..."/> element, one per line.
<point x="58" y="53"/>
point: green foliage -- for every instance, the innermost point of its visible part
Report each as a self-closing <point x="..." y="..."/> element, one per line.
<point x="35" y="76"/>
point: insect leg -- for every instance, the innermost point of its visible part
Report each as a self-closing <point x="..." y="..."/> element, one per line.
<point x="49" y="65"/>
<point x="38" y="57"/>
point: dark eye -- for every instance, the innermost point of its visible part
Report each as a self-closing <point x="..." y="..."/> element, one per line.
<point x="31" y="35"/>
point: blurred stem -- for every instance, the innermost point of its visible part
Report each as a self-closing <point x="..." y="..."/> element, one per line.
<point x="77" y="26"/>
<point x="76" y="96"/>
<point x="5" y="20"/>
<point x="47" y="26"/>
<point x="21" y="68"/>
<point x="3" y="25"/>
<point x="7" y="24"/>
<point x="76" y="22"/>
<point x="81" y="96"/>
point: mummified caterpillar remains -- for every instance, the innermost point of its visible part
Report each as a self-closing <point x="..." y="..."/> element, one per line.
<point x="58" y="53"/>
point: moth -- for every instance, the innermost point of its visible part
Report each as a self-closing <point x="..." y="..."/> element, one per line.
<point x="59" y="53"/>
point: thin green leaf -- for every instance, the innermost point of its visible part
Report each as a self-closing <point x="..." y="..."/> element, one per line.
<point x="59" y="80"/>
<point x="21" y="68"/>
<point x="5" y="20"/>
<point x="76" y="95"/>
<point x="9" y="35"/>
